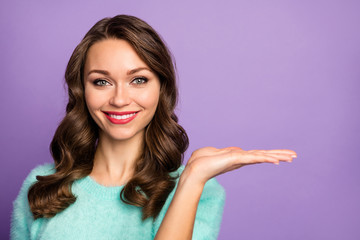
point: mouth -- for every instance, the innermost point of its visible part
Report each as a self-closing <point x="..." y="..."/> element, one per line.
<point x="120" y="117"/>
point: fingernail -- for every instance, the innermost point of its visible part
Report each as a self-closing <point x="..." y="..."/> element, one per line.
<point x="293" y="156"/>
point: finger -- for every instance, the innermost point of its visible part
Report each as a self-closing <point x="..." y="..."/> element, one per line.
<point x="252" y="158"/>
<point x="282" y="151"/>
<point x="280" y="156"/>
<point x="265" y="159"/>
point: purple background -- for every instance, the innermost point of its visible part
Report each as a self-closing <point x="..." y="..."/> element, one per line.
<point x="255" y="74"/>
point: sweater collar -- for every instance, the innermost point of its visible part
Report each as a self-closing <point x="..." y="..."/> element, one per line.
<point x="99" y="191"/>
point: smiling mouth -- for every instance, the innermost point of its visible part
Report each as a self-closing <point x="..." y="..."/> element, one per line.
<point x="120" y="117"/>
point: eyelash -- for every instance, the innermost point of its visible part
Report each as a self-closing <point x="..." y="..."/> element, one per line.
<point x="144" y="80"/>
<point x="97" y="81"/>
<point x="104" y="82"/>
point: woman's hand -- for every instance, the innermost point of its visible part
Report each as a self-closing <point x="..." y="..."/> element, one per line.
<point x="208" y="162"/>
<point x="204" y="164"/>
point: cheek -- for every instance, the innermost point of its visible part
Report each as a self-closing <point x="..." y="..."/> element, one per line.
<point x="89" y="103"/>
<point x="150" y="99"/>
<point x="93" y="101"/>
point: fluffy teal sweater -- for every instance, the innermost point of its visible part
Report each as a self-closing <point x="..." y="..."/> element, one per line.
<point x="98" y="213"/>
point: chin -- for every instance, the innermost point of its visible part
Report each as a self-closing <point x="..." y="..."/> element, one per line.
<point x="123" y="136"/>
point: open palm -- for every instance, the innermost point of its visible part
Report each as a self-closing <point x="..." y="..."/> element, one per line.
<point x="208" y="162"/>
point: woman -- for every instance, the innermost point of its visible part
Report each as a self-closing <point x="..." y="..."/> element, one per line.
<point x="118" y="151"/>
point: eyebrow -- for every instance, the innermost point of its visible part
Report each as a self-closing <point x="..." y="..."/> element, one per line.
<point x="130" y="72"/>
<point x="137" y="70"/>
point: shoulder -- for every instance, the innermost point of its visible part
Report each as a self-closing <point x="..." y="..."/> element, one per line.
<point x="40" y="170"/>
<point x="22" y="219"/>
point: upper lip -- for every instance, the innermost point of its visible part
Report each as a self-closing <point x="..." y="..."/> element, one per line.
<point x="120" y="113"/>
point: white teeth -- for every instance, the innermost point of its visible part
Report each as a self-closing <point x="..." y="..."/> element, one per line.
<point x="122" y="116"/>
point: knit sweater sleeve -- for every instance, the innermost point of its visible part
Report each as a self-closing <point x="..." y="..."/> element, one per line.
<point x="209" y="211"/>
<point x="22" y="218"/>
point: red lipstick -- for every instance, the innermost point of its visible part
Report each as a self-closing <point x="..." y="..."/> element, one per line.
<point x="120" y="121"/>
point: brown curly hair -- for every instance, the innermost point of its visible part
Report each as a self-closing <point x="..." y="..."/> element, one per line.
<point x="75" y="140"/>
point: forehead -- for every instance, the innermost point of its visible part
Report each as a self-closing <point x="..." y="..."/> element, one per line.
<point x="113" y="55"/>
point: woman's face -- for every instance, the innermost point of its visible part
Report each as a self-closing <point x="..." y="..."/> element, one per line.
<point x="121" y="91"/>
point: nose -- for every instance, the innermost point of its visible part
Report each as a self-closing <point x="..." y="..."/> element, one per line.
<point x="120" y="97"/>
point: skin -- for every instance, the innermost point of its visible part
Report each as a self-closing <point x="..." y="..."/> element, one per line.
<point x="119" y="145"/>
<point x="204" y="164"/>
<point x="116" y="90"/>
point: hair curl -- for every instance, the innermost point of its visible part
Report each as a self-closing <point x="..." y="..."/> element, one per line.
<point x="74" y="143"/>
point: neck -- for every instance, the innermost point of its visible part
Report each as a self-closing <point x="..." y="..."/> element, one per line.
<point x="114" y="161"/>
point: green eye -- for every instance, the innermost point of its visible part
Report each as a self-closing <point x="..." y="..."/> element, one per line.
<point x="140" y="80"/>
<point x="101" y="82"/>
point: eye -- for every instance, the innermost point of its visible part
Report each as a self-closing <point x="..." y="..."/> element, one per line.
<point x="101" y="82"/>
<point x="140" y="80"/>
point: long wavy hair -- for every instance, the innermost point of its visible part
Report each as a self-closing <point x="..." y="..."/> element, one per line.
<point x="75" y="140"/>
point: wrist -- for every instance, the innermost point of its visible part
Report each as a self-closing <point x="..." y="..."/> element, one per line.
<point x="190" y="178"/>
